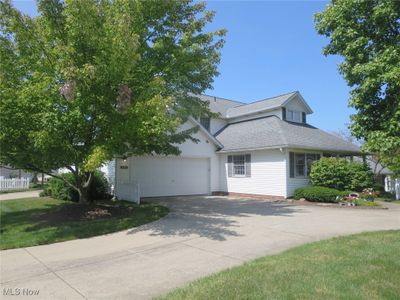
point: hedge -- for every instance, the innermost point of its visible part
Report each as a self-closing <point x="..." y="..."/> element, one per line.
<point x="319" y="194"/>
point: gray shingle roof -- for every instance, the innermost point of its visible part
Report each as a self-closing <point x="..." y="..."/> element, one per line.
<point x="219" y="105"/>
<point x="269" y="103"/>
<point x="272" y="132"/>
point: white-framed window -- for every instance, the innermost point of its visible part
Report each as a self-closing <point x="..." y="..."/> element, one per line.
<point x="239" y="165"/>
<point x="300" y="163"/>
<point x="294" y="116"/>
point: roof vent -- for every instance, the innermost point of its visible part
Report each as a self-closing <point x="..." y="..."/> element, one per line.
<point x="215" y="99"/>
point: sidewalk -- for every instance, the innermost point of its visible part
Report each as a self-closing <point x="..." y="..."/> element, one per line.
<point x="20" y="195"/>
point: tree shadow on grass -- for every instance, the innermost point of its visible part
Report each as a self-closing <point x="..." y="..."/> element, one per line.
<point x="211" y="217"/>
<point x="59" y="222"/>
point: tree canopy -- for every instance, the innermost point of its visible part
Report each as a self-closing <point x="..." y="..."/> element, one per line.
<point x="366" y="34"/>
<point x="87" y="80"/>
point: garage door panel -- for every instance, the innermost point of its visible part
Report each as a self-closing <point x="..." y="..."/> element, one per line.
<point x="171" y="176"/>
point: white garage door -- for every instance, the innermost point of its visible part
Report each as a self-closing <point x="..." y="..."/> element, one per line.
<point x="170" y="176"/>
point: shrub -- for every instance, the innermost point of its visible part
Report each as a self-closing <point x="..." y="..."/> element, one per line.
<point x="58" y="189"/>
<point x="363" y="202"/>
<point x="341" y="174"/>
<point x="318" y="194"/>
<point x="378" y="187"/>
<point x="45" y="193"/>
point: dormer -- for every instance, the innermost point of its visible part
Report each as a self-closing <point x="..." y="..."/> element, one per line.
<point x="289" y="107"/>
<point x="296" y="109"/>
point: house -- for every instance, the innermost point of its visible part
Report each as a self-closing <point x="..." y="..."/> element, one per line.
<point x="264" y="148"/>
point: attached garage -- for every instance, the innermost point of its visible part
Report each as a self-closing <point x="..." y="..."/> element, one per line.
<point x="166" y="176"/>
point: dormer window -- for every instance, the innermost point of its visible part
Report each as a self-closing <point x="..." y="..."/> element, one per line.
<point x="205" y="122"/>
<point x="294" y="116"/>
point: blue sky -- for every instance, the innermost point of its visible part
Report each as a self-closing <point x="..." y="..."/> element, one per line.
<point x="272" y="48"/>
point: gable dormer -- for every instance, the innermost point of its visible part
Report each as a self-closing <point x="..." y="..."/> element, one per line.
<point x="290" y="107"/>
<point x="296" y="109"/>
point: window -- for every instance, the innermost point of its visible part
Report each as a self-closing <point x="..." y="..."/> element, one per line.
<point x="294" y="116"/>
<point x="310" y="159"/>
<point x="205" y="122"/>
<point x="239" y="165"/>
<point x="300" y="163"/>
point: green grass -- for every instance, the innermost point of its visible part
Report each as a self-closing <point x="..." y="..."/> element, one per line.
<point x="37" y="221"/>
<point x="363" y="202"/>
<point x="363" y="266"/>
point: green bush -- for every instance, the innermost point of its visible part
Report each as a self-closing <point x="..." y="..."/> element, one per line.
<point x="318" y="194"/>
<point x="378" y="187"/>
<point x="58" y="189"/>
<point x="341" y="174"/>
<point x="364" y="202"/>
<point x="45" y="193"/>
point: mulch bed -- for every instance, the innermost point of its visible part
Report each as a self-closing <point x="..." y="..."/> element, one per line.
<point x="77" y="212"/>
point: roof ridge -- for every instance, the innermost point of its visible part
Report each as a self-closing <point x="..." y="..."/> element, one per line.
<point x="224" y="98"/>
<point x="269" y="98"/>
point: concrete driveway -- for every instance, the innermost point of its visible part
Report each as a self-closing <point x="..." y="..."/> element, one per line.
<point x="200" y="236"/>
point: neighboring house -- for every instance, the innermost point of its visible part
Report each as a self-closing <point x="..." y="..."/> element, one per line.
<point x="260" y="148"/>
<point x="380" y="172"/>
<point x="9" y="172"/>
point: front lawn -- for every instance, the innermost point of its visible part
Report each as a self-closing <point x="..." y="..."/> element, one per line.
<point x="363" y="266"/>
<point x="36" y="221"/>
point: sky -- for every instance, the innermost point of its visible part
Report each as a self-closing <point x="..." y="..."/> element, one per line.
<point x="272" y="48"/>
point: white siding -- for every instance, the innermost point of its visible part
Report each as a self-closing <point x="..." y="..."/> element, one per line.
<point x="295" y="104"/>
<point x="216" y="125"/>
<point x="275" y="112"/>
<point x="295" y="183"/>
<point x="268" y="174"/>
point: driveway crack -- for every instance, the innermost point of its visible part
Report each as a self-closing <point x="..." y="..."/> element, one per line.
<point x="55" y="274"/>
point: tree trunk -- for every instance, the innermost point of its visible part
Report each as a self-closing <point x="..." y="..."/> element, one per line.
<point x="83" y="195"/>
<point x="84" y="183"/>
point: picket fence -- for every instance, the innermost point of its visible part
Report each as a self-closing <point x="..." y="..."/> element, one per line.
<point x="13" y="183"/>
<point x="392" y="185"/>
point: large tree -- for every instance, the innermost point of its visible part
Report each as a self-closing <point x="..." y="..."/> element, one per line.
<point x="86" y="80"/>
<point x="366" y="33"/>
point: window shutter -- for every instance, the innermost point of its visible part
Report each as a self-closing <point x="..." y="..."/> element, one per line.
<point x="230" y="163"/>
<point x="304" y="118"/>
<point x="283" y="113"/>
<point x="248" y="165"/>
<point x="291" y="164"/>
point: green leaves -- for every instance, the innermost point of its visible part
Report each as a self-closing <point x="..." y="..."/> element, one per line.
<point x="341" y="174"/>
<point x="86" y="80"/>
<point x="367" y="35"/>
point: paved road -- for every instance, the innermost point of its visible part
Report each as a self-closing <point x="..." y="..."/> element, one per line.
<point x="20" y="195"/>
<point x="201" y="235"/>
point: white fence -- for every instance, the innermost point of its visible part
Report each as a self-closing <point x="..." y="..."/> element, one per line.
<point x="393" y="186"/>
<point x="14" y="184"/>
<point x="128" y="191"/>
